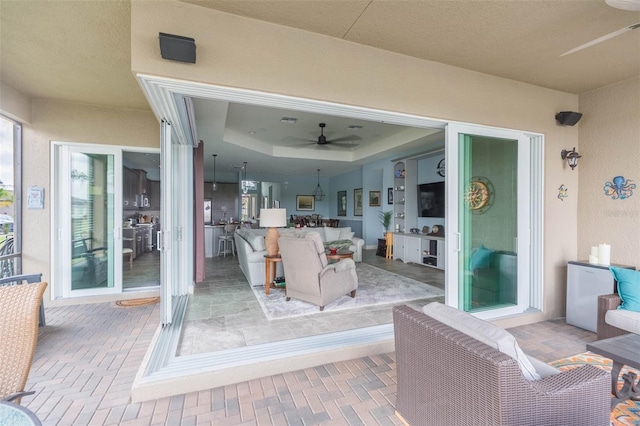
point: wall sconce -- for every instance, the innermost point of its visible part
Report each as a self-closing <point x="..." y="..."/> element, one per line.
<point x="571" y="157"/>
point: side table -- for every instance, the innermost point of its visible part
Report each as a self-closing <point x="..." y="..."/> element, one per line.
<point x="270" y="271"/>
<point x="382" y="247"/>
<point x="340" y="254"/>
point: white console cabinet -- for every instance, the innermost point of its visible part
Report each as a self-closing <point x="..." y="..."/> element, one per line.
<point x="585" y="282"/>
<point x="420" y="249"/>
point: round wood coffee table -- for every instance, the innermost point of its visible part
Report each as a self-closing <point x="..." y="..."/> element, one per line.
<point x="340" y="254"/>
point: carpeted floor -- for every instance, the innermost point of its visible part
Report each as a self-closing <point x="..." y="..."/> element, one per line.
<point x="375" y="287"/>
<point x="624" y="413"/>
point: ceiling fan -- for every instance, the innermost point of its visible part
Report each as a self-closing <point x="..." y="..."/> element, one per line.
<point x="323" y="141"/>
<point x="630" y="5"/>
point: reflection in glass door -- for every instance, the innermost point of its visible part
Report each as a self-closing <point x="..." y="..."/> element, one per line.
<point x="488" y="191"/>
<point x="488" y="220"/>
<point x="86" y="207"/>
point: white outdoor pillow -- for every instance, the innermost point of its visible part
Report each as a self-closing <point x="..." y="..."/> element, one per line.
<point x="484" y="331"/>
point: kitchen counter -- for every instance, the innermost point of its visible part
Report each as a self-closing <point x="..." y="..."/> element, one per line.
<point x="211" y="235"/>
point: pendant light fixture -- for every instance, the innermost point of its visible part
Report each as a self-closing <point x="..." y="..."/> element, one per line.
<point x="318" y="194"/>
<point x="214" y="186"/>
<point x="245" y="185"/>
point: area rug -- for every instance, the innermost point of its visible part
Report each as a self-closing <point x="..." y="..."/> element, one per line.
<point x="375" y="287"/>
<point x="624" y="413"/>
<point x="131" y="303"/>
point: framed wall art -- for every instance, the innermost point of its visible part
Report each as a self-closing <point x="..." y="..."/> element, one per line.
<point x="357" y="202"/>
<point x="389" y="195"/>
<point x="305" y="203"/>
<point x="342" y="203"/>
<point x="374" y="198"/>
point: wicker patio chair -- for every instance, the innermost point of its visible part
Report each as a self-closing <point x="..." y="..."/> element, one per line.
<point x="27" y="278"/>
<point x="19" y="306"/>
<point x="445" y="377"/>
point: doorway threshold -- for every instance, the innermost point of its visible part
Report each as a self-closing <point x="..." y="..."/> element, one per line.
<point x="162" y="374"/>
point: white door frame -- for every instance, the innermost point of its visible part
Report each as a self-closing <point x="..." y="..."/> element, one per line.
<point x="166" y="97"/>
<point x="529" y="241"/>
<point x="61" y="219"/>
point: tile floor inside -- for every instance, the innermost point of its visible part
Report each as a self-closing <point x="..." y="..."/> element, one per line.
<point x="224" y="313"/>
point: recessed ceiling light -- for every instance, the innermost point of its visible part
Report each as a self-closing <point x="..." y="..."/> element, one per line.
<point x="354" y="127"/>
<point x="288" y="120"/>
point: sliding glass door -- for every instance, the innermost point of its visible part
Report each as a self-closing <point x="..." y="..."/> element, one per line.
<point x="87" y="206"/>
<point x="175" y="240"/>
<point x="488" y="224"/>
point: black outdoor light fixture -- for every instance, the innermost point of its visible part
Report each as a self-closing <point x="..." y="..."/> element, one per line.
<point x="571" y="157"/>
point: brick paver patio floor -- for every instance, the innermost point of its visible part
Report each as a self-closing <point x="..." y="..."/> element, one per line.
<point x="88" y="355"/>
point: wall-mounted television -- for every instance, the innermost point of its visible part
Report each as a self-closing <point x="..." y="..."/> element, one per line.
<point x="431" y="199"/>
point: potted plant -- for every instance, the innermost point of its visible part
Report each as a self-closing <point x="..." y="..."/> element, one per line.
<point x="385" y="219"/>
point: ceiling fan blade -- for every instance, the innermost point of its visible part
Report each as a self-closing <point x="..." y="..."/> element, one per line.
<point x="603" y="38"/>
<point x="345" y="139"/>
<point x="296" y="139"/>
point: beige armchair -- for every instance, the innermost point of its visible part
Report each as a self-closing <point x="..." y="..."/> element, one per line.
<point x="308" y="274"/>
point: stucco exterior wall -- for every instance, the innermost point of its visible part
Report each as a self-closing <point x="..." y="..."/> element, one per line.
<point x="239" y="52"/>
<point x="14" y="104"/>
<point x="68" y="122"/>
<point x="609" y="134"/>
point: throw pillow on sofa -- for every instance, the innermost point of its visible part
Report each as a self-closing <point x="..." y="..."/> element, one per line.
<point x="339" y="244"/>
<point x="256" y="241"/>
<point x="346" y="233"/>
<point x="331" y="234"/>
<point x="628" y="288"/>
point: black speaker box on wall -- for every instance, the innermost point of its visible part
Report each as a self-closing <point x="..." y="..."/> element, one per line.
<point x="568" y="118"/>
<point x="177" y="48"/>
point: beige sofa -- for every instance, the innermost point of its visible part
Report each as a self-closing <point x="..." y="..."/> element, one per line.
<point x="251" y="250"/>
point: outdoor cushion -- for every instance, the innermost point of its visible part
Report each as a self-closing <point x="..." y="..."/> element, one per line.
<point x="624" y="319"/>
<point x="628" y="287"/>
<point x="542" y="368"/>
<point x="484" y="331"/>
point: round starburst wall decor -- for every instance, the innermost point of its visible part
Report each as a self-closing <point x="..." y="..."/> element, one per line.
<point x="479" y="196"/>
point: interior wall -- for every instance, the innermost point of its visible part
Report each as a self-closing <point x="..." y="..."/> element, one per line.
<point x="68" y="122"/>
<point x="610" y="146"/>
<point x="229" y="46"/>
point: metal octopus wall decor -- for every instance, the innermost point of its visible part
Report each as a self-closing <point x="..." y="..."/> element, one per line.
<point x="562" y="192"/>
<point x="619" y="188"/>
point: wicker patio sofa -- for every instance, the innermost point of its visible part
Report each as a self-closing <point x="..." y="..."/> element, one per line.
<point x="445" y="377"/>
<point x="609" y="316"/>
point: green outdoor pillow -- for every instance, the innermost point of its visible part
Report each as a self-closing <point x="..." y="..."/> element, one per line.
<point x="628" y="288"/>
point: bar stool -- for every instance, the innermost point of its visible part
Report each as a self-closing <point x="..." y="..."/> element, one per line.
<point x="126" y="251"/>
<point x="225" y="241"/>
